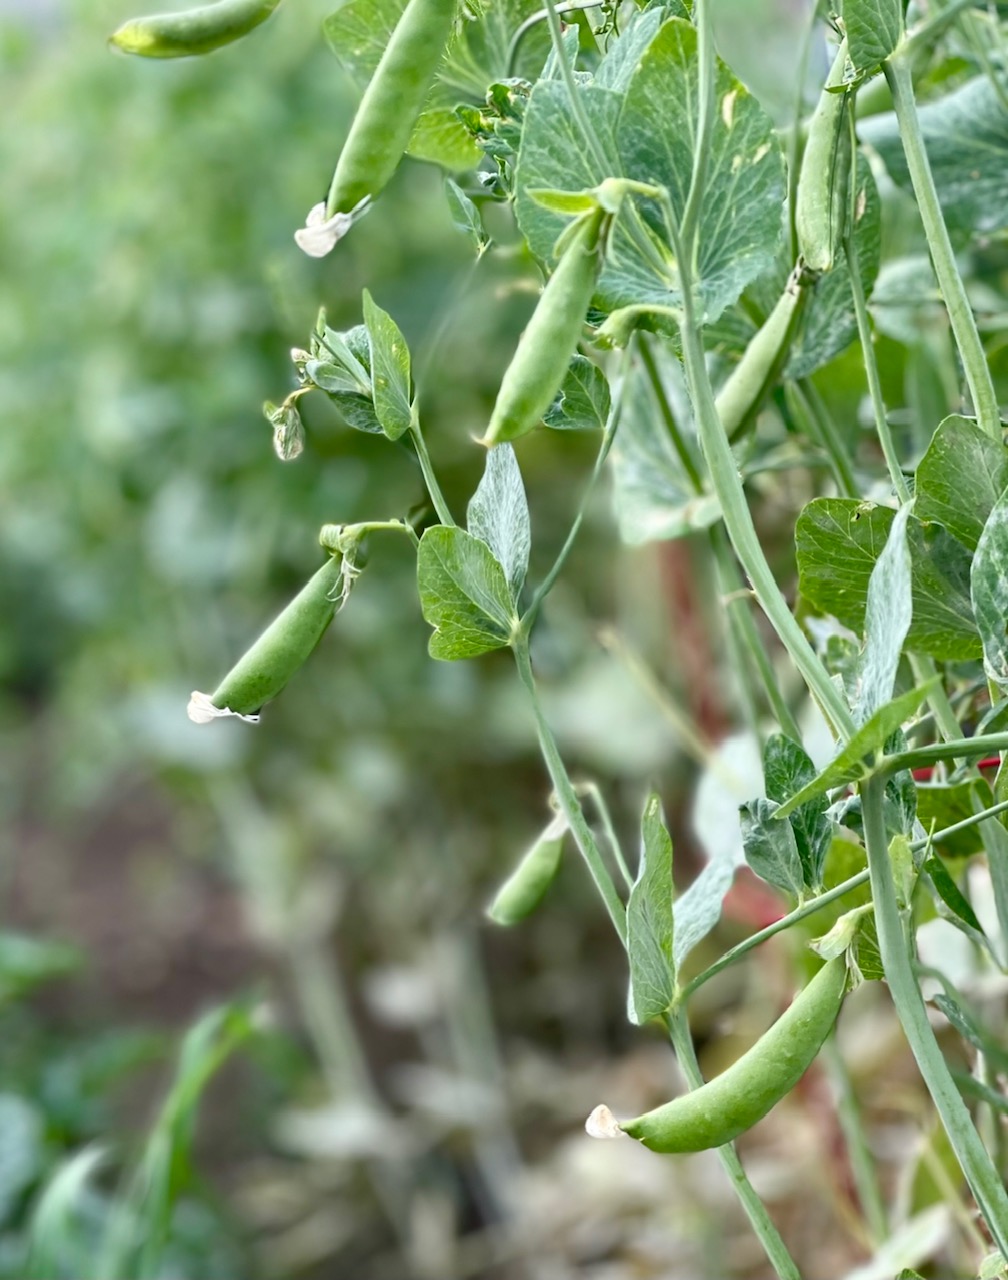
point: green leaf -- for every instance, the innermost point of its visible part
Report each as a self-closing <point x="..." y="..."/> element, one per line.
<point x="950" y="893"/>
<point x="888" y="613"/>
<point x="838" y="541"/>
<point x="873" y="30"/>
<point x="972" y="1031"/>
<point x="498" y="515"/>
<point x="649" y="921"/>
<point x="22" y="1152"/>
<point x="464" y="594"/>
<point x="989" y="591"/>
<point x="340" y="365"/>
<point x="390" y="370"/>
<point x="465" y="216"/>
<point x="770" y="847"/>
<point x="960" y="478"/>
<point x="787" y="768"/>
<point x="850" y="765"/>
<point x="966" y="137"/>
<point x="27" y="962"/>
<point x="943" y="806"/>
<point x="583" y="401"/>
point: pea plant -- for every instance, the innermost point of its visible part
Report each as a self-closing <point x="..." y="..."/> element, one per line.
<point x="701" y="266"/>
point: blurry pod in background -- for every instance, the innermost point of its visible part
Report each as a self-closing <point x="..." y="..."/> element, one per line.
<point x="383" y="124"/>
<point x="734" y="1101"/>
<point x="526" y="886"/>
<point x="281" y="650"/>
<point x="192" y="31"/>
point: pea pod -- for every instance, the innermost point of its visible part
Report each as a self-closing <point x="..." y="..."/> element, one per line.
<point x="821" y="201"/>
<point x="751" y="380"/>
<point x="280" y="651"/>
<point x="192" y="31"/>
<point x="524" y="889"/>
<point x="391" y="104"/>
<point x="544" y="351"/>
<point x="734" y="1101"/>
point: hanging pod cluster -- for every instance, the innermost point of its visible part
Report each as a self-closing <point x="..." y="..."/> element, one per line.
<point x="734" y="1101"/>
<point x="284" y="647"/>
<point x="544" y="350"/>
<point x="192" y="31"/>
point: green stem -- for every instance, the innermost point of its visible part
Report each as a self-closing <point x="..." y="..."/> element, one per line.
<point x="973" y="1158"/>
<point x="430" y="479"/>
<point x="966" y="748"/>
<point x="533" y="21"/>
<point x="595" y="795"/>
<point x="567" y="796"/>
<point x="783" y="1264"/>
<point x="683" y="451"/>
<point x="862" y="1161"/>
<point x="818" y="423"/>
<point x="690" y="222"/>
<point x="978" y="376"/>
<point x="576" y="101"/>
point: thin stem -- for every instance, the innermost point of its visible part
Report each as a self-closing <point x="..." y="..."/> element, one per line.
<point x="978" y="376"/>
<point x="595" y="795"/>
<point x="430" y="479"/>
<point x="862" y="1162"/>
<point x="983" y="1178"/>
<point x="576" y="101"/>
<point x="776" y="1251"/>
<point x="533" y="21"/>
<point x="608" y="435"/>
<point x="567" y="796"/>
<point x="968" y="748"/>
<point x="819" y="423"/>
<point x="683" y="451"/>
<point x="690" y="222"/>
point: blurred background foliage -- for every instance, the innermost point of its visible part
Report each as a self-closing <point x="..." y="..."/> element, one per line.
<point x="413" y="1104"/>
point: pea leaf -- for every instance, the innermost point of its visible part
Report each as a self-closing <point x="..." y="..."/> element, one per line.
<point x="390" y="369"/>
<point x="340" y="365"/>
<point x="787" y="768"/>
<point x="989" y="591"/>
<point x="943" y="806"/>
<point x="960" y="478"/>
<point x="951" y="894"/>
<point x="649" y="921"/>
<point x="972" y="1031"/>
<point x="966" y="137"/>
<point x="850" y="763"/>
<point x="498" y="515"/>
<point x="888" y="613"/>
<point x="465" y="216"/>
<point x="464" y="594"/>
<point x="770" y="847"/>
<point x="838" y="541"/>
<point x="583" y="401"/>
<point x="873" y="30"/>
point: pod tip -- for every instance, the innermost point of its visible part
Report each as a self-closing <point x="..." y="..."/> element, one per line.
<point x="603" y="1124"/>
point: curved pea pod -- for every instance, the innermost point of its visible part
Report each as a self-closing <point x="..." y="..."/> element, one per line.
<point x="752" y="379"/>
<point x="822" y="198"/>
<point x="192" y="31"/>
<point x="526" y="886"/>
<point x="280" y="651"/>
<point x="391" y="104"/>
<point x="544" y="351"/>
<point x="734" y="1101"/>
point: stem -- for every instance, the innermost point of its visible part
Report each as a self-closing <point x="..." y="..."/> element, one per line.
<point x="430" y="479"/>
<point x="593" y="793"/>
<point x="576" y="102"/>
<point x="683" y="451"/>
<point x="983" y="1178"/>
<point x="978" y="376"/>
<point x="861" y="1159"/>
<point x="533" y="21"/>
<point x="567" y="796"/>
<point x="968" y="748"/>
<point x="818" y="423"/>
<point x="689" y="224"/>
<point x="783" y="1264"/>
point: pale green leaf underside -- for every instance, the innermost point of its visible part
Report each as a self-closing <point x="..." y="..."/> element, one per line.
<point x="463" y="594"/>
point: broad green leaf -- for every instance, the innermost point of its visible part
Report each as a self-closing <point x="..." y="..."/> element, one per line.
<point x="966" y="136"/>
<point x="649" y="921"/>
<point x="960" y="478"/>
<point x="340" y="365"/>
<point x="943" y="806"/>
<point x="625" y="52"/>
<point x="653" y="499"/>
<point x="888" y="614"/>
<point x="464" y="594"/>
<point x="873" y="30"/>
<point x="465" y="216"/>
<point x="390" y="370"/>
<point x="951" y="894"/>
<point x="786" y="769"/>
<point x="989" y="591"/>
<point x="657" y="126"/>
<point x="838" y="541"/>
<point x="850" y="764"/>
<point x="770" y="847"/>
<point x="583" y="401"/>
<point x="498" y="515"/>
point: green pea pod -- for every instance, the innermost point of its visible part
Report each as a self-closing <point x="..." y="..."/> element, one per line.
<point x="544" y="351"/>
<point x="752" y="379"/>
<point x="192" y="31"/>
<point x="526" y="886"/>
<point x="734" y="1101"/>
<point x="280" y="651"/>
<point x="821" y="201"/>
<point x="391" y="105"/>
